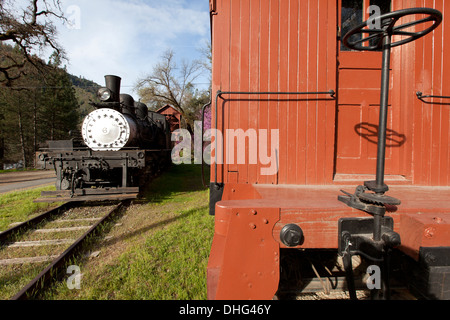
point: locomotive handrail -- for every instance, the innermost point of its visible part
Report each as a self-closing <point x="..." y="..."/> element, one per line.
<point x="219" y="93"/>
<point x="421" y="97"/>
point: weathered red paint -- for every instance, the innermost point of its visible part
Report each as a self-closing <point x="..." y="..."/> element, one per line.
<point x="246" y="242"/>
<point x="261" y="46"/>
<point x="243" y="269"/>
<point x="425" y="230"/>
<point x="292" y="46"/>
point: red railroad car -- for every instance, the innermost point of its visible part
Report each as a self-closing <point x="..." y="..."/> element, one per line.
<point x="297" y="115"/>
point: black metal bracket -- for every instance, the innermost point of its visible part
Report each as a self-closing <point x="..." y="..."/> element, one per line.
<point x="356" y="236"/>
<point x="353" y="201"/>
<point x="421" y="97"/>
<point x="373" y="203"/>
<point x="215" y="195"/>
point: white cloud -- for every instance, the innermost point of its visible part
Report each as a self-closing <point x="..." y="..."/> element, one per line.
<point x="126" y="37"/>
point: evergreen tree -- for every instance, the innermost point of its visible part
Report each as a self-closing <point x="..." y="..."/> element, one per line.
<point x="35" y="110"/>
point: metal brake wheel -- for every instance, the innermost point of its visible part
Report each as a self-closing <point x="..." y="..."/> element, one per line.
<point x="374" y="38"/>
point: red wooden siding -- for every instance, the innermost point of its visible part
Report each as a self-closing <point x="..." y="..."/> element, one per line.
<point x="278" y="46"/>
<point x="424" y="66"/>
<point x="290" y="45"/>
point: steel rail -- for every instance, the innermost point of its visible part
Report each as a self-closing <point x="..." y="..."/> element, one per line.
<point x="45" y="276"/>
<point x="5" y="235"/>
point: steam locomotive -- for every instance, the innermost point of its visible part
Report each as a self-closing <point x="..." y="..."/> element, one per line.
<point x="121" y="145"/>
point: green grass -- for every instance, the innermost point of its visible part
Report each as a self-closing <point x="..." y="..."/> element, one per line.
<point x="171" y="264"/>
<point x="159" y="250"/>
<point x="18" y="206"/>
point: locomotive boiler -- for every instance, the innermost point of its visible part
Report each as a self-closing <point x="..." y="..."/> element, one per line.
<point x="121" y="145"/>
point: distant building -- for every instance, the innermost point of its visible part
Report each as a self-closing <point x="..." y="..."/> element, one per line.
<point x="173" y="116"/>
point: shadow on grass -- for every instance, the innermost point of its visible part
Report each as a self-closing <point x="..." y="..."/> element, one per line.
<point x="177" y="179"/>
<point x="155" y="225"/>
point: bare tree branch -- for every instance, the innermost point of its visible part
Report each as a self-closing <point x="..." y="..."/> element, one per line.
<point x="31" y="30"/>
<point x="171" y="84"/>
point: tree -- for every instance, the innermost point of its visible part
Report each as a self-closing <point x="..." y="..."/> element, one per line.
<point x="206" y="52"/>
<point x="31" y="30"/>
<point x="168" y="84"/>
<point x="35" y="110"/>
<point x="59" y="110"/>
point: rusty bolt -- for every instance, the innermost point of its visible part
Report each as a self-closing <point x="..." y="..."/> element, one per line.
<point x="252" y="226"/>
<point x="253" y="212"/>
<point x="291" y="235"/>
<point x="429" y="232"/>
<point x="438" y="219"/>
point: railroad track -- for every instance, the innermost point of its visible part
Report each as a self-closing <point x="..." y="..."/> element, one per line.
<point x="58" y="234"/>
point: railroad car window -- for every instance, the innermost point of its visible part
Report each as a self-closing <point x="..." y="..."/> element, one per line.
<point x="384" y="5"/>
<point x="352" y="14"/>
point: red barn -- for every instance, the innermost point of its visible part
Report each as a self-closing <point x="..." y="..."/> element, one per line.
<point x="173" y="116"/>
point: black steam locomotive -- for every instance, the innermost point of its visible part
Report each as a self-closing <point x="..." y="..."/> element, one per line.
<point x="121" y="145"/>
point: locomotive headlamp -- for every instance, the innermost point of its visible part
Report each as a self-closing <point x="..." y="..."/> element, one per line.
<point x="104" y="94"/>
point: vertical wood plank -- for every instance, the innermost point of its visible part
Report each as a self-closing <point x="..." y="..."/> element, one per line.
<point x="311" y="147"/>
<point x="291" y="106"/>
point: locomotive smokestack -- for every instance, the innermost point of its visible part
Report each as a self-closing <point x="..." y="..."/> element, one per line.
<point x="113" y="84"/>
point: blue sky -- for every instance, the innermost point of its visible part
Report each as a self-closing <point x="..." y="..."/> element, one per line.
<point x="127" y="37"/>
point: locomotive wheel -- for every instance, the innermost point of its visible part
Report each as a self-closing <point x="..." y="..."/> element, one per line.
<point x="388" y="21"/>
